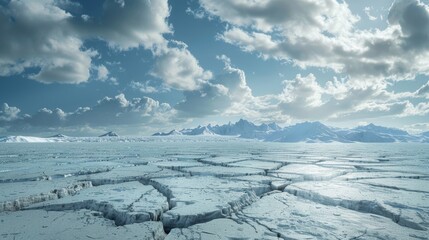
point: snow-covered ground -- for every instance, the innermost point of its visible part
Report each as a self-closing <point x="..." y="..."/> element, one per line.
<point x="211" y="187"/>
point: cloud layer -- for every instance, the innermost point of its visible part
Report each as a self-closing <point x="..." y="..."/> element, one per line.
<point x="323" y="34"/>
<point x="41" y="35"/>
<point x="108" y="112"/>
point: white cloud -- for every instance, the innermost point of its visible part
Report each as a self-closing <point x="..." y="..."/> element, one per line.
<point x="179" y="69"/>
<point x="198" y="13"/>
<point x="42" y="35"/>
<point x="370" y="110"/>
<point x="127" y="24"/>
<point x="38" y="37"/>
<point x="218" y="94"/>
<point x="418" y="127"/>
<point x="116" y="111"/>
<point x="423" y="91"/>
<point x="420" y="109"/>
<point x="148" y="87"/>
<point x="102" y="73"/>
<point x="8" y="113"/>
<point x="323" y="34"/>
<point x="296" y="17"/>
<point x="304" y="98"/>
<point x="119" y="110"/>
<point x="367" y="11"/>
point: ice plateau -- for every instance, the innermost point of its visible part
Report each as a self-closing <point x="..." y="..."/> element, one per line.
<point x="205" y="187"/>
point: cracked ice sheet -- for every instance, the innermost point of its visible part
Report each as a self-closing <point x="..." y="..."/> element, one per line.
<point x="38" y="170"/>
<point x="311" y="172"/>
<point x="125" y="174"/>
<point x="287" y="176"/>
<point x="405" y="208"/>
<point x="82" y="224"/>
<point x="181" y="157"/>
<point x="274" y="182"/>
<point x="297" y="218"/>
<point x="220" y="171"/>
<point x="178" y="164"/>
<point x="407" y="184"/>
<point x="16" y="195"/>
<point x="203" y="198"/>
<point x="221" y="229"/>
<point x="223" y="160"/>
<point x="125" y="203"/>
<point x="284" y="159"/>
<point x="422" y="168"/>
<point x="370" y="175"/>
<point x="265" y="165"/>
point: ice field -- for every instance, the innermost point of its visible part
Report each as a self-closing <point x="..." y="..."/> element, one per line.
<point x="213" y="188"/>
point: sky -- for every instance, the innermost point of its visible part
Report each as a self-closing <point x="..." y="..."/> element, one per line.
<point x="140" y="66"/>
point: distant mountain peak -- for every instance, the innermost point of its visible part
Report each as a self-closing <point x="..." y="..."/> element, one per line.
<point x="173" y="132"/>
<point x="380" y="129"/>
<point x="109" y="134"/>
<point x="59" y="135"/>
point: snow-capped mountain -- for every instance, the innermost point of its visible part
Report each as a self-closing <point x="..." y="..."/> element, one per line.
<point x="200" y="130"/>
<point x="303" y="132"/>
<point x="173" y="132"/>
<point x="59" y="135"/>
<point x="373" y="133"/>
<point x="426" y="134"/>
<point x="242" y="128"/>
<point x="109" y="134"/>
<point x="24" y="139"/>
<point x="382" y="130"/>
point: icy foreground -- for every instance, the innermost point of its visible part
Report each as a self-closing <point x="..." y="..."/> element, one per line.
<point x="213" y="189"/>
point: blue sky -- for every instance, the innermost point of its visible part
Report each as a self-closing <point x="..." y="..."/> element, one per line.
<point x="136" y="67"/>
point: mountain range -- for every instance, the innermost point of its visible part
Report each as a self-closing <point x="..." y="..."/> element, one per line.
<point x="303" y="132"/>
<point x="310" y="132"/>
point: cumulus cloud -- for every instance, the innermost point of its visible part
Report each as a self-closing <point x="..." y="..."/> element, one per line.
<point x="8" y="113"/>
<point x="42" y="35"/>
<point x="305" y="99"/>
<point x="299" y="17"/>
<point x="116" y="111"/>
<point x="302" y="98"/>
<point x="178" y="68"/>
<point x="103" y="75"/>
<point x="119" y="111"/>
<point x="323" y="34"/>
<point x="417" y="127"/>
<point x="370" y="110"/>
<point x="127" y="24"/>
<point x="34" y="34"/>
<point x="148" y="87"/>
<point x="420" y="109"/>
<point x="218" y="94"/>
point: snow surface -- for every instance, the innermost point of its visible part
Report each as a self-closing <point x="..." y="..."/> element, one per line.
<point x="213" y="187"/>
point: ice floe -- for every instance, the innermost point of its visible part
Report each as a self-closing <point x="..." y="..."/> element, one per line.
<point x="70" y="225"/>
<point x="125" y="203"/>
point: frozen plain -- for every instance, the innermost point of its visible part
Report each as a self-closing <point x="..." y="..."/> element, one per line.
<point x="213" y="188"/>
